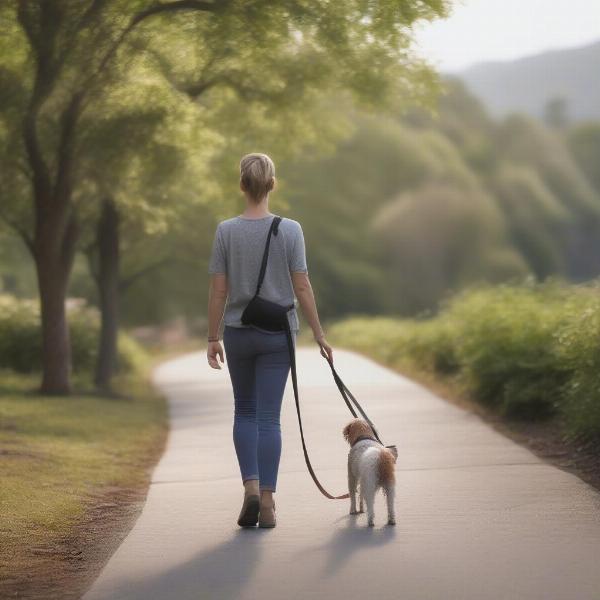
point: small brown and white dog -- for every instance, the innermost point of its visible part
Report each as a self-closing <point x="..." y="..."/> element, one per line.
<point x="370" y="467"/>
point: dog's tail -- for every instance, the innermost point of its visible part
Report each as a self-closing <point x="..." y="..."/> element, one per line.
<point x="385" y="468"/>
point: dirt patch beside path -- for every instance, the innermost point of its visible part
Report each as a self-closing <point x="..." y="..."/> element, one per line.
<point x="75" y="474"/>
<point x="67" y="567"/>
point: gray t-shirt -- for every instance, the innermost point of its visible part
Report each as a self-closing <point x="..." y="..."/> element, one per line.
<point x="237" y="251"/>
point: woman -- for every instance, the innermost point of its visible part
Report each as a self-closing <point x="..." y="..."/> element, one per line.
<point x="258" y="360"/>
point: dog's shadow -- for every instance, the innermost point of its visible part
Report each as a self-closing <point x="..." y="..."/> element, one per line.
<point x="350" y="538"/>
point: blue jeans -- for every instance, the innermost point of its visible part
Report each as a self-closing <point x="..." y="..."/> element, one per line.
<point x="259" y="364"/>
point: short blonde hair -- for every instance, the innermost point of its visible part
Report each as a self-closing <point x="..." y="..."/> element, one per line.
<point x="257" y="175"/>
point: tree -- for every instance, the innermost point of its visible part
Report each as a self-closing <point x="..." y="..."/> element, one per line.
<point x="584" y="141"/>
<point x="59" y="55"/>
<point x="556" y="113"/>
<point x="440" y="238"/>
<point x="522" y="140"/>
<point x="535" y="218"/>
<point x="128" y="173"/>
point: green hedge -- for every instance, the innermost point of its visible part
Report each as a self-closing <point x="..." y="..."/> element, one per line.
<point x="20" y="340"/>
<point x="527" y="352"/>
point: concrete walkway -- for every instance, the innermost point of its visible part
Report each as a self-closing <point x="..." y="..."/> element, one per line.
<point x="478" y="516"/>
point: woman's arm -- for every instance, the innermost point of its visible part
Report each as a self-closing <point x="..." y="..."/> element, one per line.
<point x="217" y="296"/>
<point x="306" y="299"/>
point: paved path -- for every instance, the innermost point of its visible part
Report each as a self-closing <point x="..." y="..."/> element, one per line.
<point x="478" y="516"/>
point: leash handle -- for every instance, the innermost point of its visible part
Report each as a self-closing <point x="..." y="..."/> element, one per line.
<point x="292" y="352"/>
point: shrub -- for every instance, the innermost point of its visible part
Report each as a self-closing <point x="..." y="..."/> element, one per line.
<point x="379" y="337"/>
<point x="20" y="344"/>
<point x="579" y="347"/>
<point x="507" y="347"/>
<point x="525" y="351"/>
<point x="20" y="339"/>
<point x="432" y="346"/>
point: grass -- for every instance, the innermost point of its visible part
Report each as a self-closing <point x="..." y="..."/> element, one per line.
<point x="58" y="453"/>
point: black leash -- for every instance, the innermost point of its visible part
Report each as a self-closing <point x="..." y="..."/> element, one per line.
<point x="292" y="351"/>
<point x="346" y="395"/>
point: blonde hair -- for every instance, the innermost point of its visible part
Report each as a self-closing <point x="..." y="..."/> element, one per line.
<point x="257" y="175"/>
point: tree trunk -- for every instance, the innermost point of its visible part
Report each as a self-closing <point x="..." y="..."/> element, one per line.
<point x="53" y="265"/>
<point x="107" y="241"/>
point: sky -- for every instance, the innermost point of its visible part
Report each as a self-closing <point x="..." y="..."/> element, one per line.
<point x="483" y="30"/>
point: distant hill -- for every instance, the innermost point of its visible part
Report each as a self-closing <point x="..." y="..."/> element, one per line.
<point x="526" y="85"/>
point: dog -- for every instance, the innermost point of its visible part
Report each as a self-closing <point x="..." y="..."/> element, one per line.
<point x="370" y="467"/>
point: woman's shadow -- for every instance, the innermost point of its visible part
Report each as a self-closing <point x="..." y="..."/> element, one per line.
<point x="224" y="569"/>
<point x="346" y="540"/>
<point x="220" y="571"/>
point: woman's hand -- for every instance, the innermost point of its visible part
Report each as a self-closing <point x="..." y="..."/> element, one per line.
<point x="326" y="349"/>
<point x="215" y="350"/>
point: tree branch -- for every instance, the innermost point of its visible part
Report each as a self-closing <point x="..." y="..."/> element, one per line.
<point x="91" y="252"/>
<point x="20" y="230"/>
<point x="71" y="35"/>
<point x="69" y="240"/>
<point x="156" y="9"/>
<point x="163" y="7"/>
<point x="90" y="13"/>
<point x="42" y="41"/>
<point x="39" y="168"/>
<point x="195" y="90"/>
<point x="66" y="148"/>
<point x="127" y="282"/>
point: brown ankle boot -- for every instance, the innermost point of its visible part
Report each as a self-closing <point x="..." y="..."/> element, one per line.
<point x="267" y="517"/>
<point x="249" y="513"/>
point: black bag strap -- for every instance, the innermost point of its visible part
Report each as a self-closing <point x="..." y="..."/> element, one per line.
<point x="273" y="230"/>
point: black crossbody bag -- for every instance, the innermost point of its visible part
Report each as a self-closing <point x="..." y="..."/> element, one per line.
<point x="260" y="312"/>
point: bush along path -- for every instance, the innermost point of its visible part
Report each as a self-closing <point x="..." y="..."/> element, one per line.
<point x="21" y="340"/>
<point x="525" y="357"/>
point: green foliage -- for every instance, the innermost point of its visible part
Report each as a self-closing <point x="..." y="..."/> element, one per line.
<point x="584" y="142"/>
<point x="526" y="352"/>
<point x="580" y="350"/>
<point x="534" y="217"/>
<point x="419" y="206"/>
<point x="464" y="121"/>
<point x="380" y="337"/>
<point x="507" y="349"/>
<point x="525" y="141"/>
<point x="398" y="209"/>
<point x="432" y="345"/>
<point x="439" y="238"/>
<point x="17" y="273"/>
<point x="174" y="93"/>
<point x="20" y="339"/>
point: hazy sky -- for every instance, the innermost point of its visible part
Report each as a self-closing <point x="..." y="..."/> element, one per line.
<point x="481" y="30"/>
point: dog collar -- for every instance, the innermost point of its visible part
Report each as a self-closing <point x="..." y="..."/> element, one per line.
<point x="364" y="437"/>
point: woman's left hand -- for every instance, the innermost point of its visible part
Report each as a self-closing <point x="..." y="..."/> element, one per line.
<point x="215" y="350"/>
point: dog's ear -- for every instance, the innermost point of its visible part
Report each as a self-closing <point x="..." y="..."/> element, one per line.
<point x="347" y="430"/>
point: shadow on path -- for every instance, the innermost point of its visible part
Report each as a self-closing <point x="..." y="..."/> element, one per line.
<point x="220" y="571"/>
<point x="347" y="540"/>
